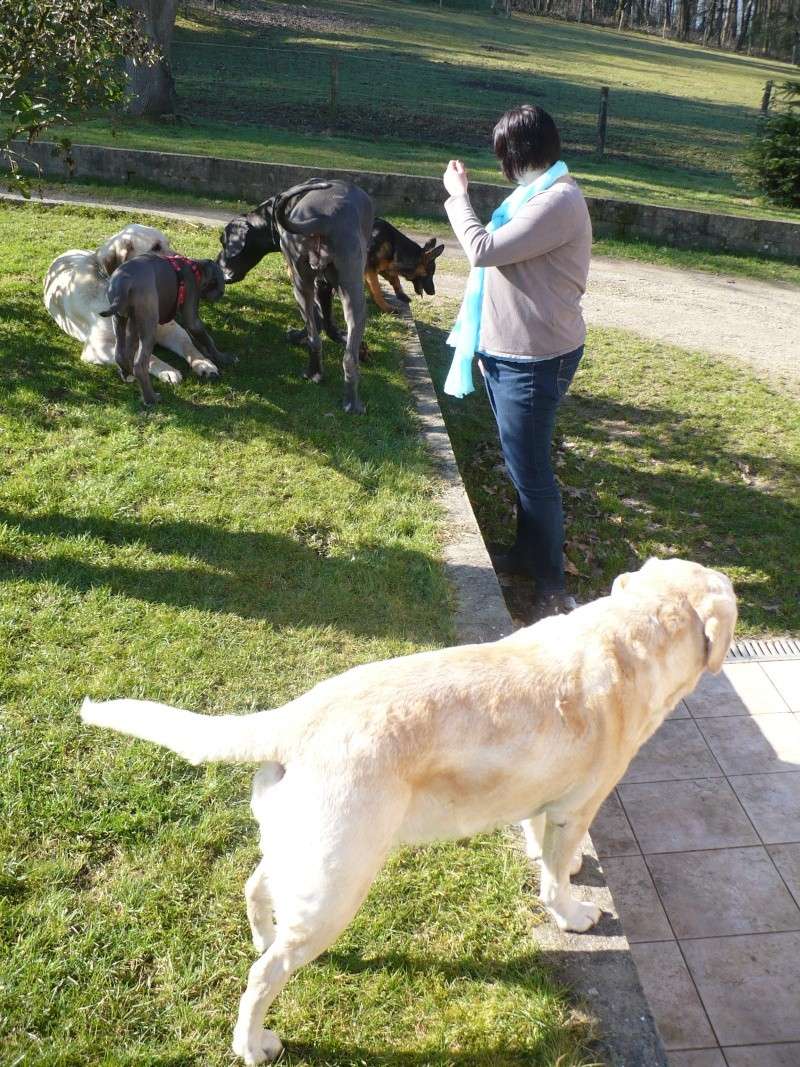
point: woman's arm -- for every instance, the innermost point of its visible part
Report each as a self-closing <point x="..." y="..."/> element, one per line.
<point x="542" y="224"/>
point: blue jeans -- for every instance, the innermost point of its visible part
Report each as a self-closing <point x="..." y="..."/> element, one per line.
<point x="525" y="396"/>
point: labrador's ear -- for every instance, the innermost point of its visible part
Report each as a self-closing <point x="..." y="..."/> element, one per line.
<point x="114" y="253"/>
<point x="717" y="612"/>
<point x="620" y="583"/>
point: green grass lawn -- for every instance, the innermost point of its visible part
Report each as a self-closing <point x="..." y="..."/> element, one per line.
<point x="660" y="452"/>
<point x="417" y="84"/>
<point x="227" y="552"/>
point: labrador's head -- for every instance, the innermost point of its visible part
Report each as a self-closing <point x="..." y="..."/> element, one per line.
<point x="130" y="242"/>
<point x="709" y="592"/>
<point x="246" y="240"/>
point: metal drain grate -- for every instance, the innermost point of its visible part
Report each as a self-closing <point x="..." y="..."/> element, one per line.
<point x="772" y="648"/>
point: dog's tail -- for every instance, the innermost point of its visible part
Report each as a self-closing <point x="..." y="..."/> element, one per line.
<point x="252" y="738"/>
<point x="118" y="294"/>
<point x="282" y="207"/>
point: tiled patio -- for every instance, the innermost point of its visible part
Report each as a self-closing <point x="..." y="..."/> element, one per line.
<point x="700" y="844"/>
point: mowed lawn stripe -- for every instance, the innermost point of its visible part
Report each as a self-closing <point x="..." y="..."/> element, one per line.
<point x="227" y="552"/>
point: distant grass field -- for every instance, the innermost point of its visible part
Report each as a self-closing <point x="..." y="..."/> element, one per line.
<point x="417" y="84"/>
<point x="226" y="552"/>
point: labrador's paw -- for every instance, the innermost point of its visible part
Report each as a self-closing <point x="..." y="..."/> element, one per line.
<point x="205" y="370"/>
<point x="169" y="375"/>
<point x="265" y="1049"/>
<point x="577" y="915"/>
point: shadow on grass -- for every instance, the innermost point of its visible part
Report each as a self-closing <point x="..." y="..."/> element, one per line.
<point x="248" y="574"/>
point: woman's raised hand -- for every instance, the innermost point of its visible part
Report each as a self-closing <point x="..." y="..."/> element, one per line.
<point x="456" y="179"/>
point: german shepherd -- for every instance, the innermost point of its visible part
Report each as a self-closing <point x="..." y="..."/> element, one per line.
<point x="394" y="256"/>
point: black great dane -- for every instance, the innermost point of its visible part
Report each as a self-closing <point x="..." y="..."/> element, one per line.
<point x="323" y="229"/>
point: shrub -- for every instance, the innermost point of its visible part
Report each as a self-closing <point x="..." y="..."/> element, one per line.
<point x="774" y="156"/>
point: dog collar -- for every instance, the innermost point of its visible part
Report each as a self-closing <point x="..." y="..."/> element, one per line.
<point x="178" y="262"/>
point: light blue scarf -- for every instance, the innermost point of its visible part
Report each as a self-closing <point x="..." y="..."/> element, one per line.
<point x="465" y="335"/>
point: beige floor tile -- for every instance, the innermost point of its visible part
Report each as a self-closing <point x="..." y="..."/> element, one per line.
<point x="740" y="689"/>
<point x="611" y="832"/>
<point x="670" y="992"/>
<point x="749" y="986"/>
<point x="763" y="1056"/>
<point x="773" y="803"/>
<point x="787" y="859"/>
<point x="676" y="750"/>
<point x="726" y="891"/>
<point x="634" y="894"/>
<point x="754" y="744"/>
<point x="785" y="676"/>
<point x="697" y="1057"/>
<point x="686" y="815"/>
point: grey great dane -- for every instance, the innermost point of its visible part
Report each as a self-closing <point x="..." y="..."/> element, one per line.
<point x="323" y="229"/>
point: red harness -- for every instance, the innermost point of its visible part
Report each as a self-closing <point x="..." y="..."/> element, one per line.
<point x="177" y="263"/>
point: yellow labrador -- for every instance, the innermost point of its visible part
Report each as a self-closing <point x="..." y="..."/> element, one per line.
<point x="537" y="727"/>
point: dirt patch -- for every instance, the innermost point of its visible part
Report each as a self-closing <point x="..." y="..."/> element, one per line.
<point x="252" y="15"/>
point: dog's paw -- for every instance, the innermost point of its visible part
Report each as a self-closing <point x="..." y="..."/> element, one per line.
<point x="205" y="370"/>
<point x="170" y="376"/>
<point x="577" y="915"/>
<point x="404" y="297"/>
<point x="316" y="378"/>
<point x="296" y="337"/>
<point x="354" y="407"/>
<point x="265" y="1049"/>
<point x="226" y="359"/>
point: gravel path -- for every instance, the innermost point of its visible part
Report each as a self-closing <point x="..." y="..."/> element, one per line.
<point x="751" y="322"/>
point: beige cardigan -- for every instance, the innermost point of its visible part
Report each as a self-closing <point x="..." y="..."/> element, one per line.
<point x="532" y="297"/>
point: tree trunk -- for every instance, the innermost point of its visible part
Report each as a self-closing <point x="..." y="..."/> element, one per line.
<point x="729" y="33"/>
<point x="151" y="90"/>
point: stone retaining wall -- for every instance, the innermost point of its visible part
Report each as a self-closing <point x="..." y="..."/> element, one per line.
<point x="252" y="182"/>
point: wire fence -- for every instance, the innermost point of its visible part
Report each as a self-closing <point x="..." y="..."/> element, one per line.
<point x="387" y="96"/>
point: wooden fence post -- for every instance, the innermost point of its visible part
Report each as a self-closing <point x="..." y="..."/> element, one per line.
<point x="765" y="99"/>
<point x="334" y="96"/>
<point x="602" y="122"/>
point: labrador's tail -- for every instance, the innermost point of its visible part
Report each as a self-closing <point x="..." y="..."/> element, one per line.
<point x="252" y="738"/>
<point x="283" y="204"/>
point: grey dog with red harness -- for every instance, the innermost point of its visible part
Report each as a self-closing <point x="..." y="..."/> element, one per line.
<point x="152" y="289"/>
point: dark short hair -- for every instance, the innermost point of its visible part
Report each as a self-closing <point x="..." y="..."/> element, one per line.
<point x="526" y="138"/>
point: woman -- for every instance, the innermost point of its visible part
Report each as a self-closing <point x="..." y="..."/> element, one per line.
<point x="522" y="317"/>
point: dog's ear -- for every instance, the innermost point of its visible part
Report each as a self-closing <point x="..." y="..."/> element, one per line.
<point x="115" y="253"/>
<point x="434" y="253"/>
<point x="717" y="613"/>
<point x="212" y="286"/>
<point x="620" y="583"/>
<point x="429" y="244"/>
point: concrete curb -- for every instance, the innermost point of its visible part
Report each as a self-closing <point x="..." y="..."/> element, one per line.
<point x="597" y="966"/>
